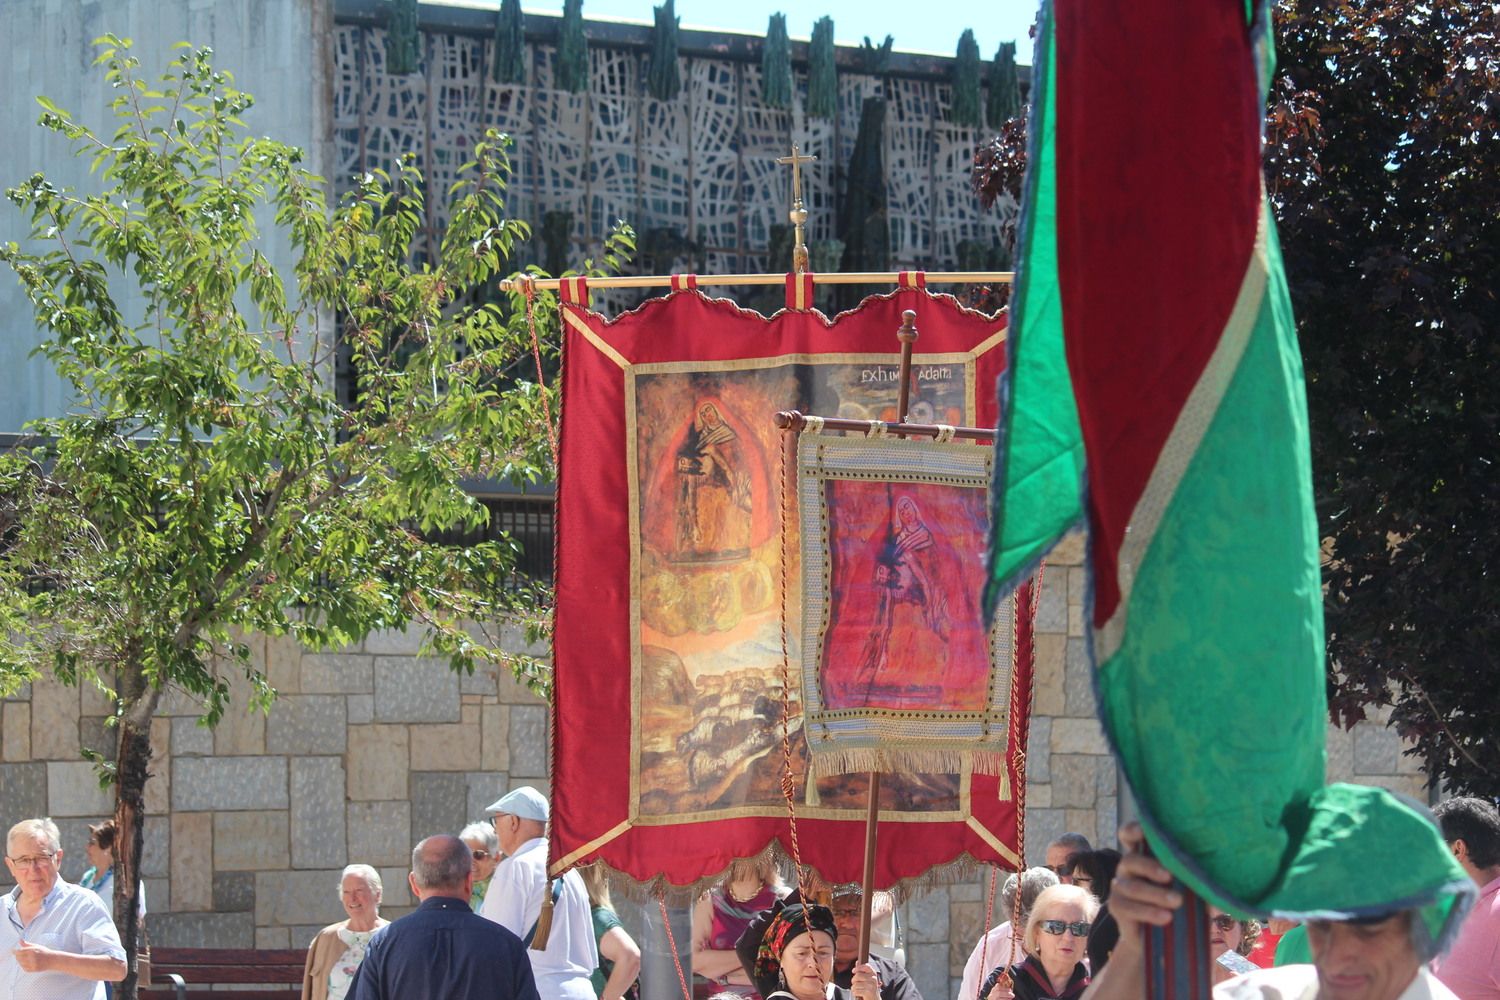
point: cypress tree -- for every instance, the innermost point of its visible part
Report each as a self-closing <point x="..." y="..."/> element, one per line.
<point x="510" y="44"/>
<point x="966" y="100"/>
<point x="662" y="79"/>
<point x="822" y="75"/>
<point x="402" y="39"/>
<point x="1005" y="87"/>
<point x="572" y="73"/>
<point x="776" y="65"/>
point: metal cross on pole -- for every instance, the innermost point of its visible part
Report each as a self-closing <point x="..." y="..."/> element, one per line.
<point x="798" y="213"/>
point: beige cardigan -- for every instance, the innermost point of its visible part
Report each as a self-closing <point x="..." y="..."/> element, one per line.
<point x="326" y="950"/>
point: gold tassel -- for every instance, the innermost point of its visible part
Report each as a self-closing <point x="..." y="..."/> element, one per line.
<point x="543" y="922"/>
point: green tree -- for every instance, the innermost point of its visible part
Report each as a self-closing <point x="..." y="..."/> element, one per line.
<point x="1382" y="164"/>
<point x="207" y="482"/>
<point x="1383" y="161"/>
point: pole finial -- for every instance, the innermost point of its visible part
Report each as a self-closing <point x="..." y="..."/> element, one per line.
<point x="798" y="213"/>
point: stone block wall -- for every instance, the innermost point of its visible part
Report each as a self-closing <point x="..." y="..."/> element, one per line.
<point x="370" y="749"/>
<point x="365" y="752"/>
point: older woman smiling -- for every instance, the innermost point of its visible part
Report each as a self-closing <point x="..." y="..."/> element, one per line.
<point x="338" y="949"/>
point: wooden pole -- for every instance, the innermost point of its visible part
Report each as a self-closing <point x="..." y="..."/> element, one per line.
<point x="908" y="336"/>
<point x="867" y="896"/>
<point x="795" y="420"/>
<point x="519" y="282"/>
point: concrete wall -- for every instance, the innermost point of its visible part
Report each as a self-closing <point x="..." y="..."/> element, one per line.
<point x="279" y="51"/>
<point x="370" y="749"/>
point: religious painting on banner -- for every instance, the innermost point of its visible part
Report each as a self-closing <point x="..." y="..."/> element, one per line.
<point x="901" y="670"/>
<point x="669" y="667"/>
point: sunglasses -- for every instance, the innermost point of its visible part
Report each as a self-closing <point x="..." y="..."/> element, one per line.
<point x="1078" y="928"/>
<point x="480" y="855"/>
<point x="1224" y="923"/>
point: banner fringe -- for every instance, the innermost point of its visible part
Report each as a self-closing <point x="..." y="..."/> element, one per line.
<point x="964" y="868"/>
<point x="886" y="760"/>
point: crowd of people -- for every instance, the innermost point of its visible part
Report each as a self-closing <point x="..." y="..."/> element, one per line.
<point x="492" y="923"/>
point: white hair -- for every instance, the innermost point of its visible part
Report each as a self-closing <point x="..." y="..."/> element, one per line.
<point x="42" y="827"/>
<point x="371" y="877"/>
<point x="484" y="833"/>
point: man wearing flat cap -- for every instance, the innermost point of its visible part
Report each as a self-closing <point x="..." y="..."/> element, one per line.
<point x="523" y="899"/>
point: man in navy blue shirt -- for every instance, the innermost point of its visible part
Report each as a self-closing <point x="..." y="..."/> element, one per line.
<point x="444" y="951"/>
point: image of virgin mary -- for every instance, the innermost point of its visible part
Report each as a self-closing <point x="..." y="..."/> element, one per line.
<point x="713" y="491"/>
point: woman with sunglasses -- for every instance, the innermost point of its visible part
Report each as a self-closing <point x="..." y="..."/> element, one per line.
<point x="1228" y="934"/>
<point x="484" y="845"/>
<point x="1055" y="940"/>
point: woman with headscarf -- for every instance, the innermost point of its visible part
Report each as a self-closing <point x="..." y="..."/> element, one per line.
<point x="795" y="958"/>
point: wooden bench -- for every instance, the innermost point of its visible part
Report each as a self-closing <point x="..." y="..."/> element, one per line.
<point x="277" y="970"/>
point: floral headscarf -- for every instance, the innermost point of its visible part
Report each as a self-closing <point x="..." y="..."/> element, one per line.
<point x="788" y="923"/>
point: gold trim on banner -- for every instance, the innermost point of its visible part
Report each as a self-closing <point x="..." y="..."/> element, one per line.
<point x="995" y="843"/>
<point x="991" y="342"/>
<point x="1198" y="412"/>
<point x="777" y="808"/>
<point x="567" y="862"/>
<point x="599" y="342"/>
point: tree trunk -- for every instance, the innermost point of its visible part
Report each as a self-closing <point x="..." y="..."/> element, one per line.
<point x="138" y="701"/>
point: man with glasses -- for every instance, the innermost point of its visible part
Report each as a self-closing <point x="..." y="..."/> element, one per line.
<point x="520" y="894"/>
<point x="1060" y="854"/>
<point x="57" y="941"/>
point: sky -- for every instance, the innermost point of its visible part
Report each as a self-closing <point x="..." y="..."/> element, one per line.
<point x="920" y="26"/>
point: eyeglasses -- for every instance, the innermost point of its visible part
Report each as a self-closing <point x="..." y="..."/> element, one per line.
<point x="480" y="855"/>
<point x="1078" y="928"/>
<point x="1224" y="923"/>
<point x="844" y="912"/>
<point x="33" y="861"/>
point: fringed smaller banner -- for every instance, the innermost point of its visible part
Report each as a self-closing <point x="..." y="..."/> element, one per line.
<point x="900" y="670"/>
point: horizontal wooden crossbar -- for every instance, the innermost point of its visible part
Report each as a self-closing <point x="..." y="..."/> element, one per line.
<point x="850" y="278"/>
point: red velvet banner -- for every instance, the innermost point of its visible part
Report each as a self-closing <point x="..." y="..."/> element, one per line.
<point x="669" y="694"/>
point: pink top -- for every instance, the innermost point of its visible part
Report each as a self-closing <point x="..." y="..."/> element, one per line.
<point x="731" y="916"/>
<point x="1471" y="969"/>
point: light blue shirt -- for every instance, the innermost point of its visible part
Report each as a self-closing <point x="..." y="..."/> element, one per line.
<point x="104" y="888"/>
<point x="71" y="919"/>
